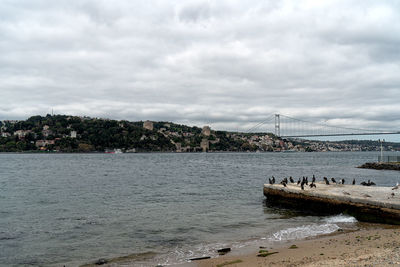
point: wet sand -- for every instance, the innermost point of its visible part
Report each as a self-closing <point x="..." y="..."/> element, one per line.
<point x="376" y="245"/>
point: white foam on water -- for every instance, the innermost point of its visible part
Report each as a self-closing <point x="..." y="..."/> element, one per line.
<point x="341" y="218"/>
<point x="304" y="231"/>
<point x="181" y="254"/>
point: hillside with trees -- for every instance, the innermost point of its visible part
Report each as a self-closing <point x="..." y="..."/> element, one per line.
<point x="63" y="133"/>
<point x="83" y="134"/>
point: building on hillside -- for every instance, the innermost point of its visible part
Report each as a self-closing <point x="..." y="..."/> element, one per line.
<point x="43" y="143"/>
<point x="5" y="134"/>
<point x="73" y="134"/>
<point x="22" y="133"/>
<point x="46" y="131"/>
<point x="10" y="121"/>
<point x="282" y="144"/>
<point x="188" y="134"/>
<point x="148" y="125"/>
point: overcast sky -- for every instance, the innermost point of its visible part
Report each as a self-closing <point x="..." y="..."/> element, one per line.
<point x="229" y="64"/>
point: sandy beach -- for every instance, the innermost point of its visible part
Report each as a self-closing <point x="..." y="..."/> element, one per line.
<point x="371" y="245"/>
<point x="376" y="245"/>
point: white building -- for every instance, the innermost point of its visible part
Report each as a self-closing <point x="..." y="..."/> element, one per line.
<point x="73" y="134"/>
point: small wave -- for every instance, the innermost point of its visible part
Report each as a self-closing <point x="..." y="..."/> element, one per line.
<point x="304" y="231"/>
<point x="192" y="193"/>
<point x="5" y="237"/>
<point x="135" y="259"/>
<point x="341" y="218"/>
<point x="182" y="254"/>
<point x="9" y="236"/>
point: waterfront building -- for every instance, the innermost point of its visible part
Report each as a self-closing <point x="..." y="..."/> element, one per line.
<point x="43" y="143"/>
<point x="178" y="147"/>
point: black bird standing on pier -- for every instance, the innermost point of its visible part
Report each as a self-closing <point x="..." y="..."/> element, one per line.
<point x="333" y="180"/>
<point x="302" y="184"/>
<point x="291" y="179"/>
<point x="396" y="186"/>
<point x="306" y="180"/>
<point x="342" y="181"/>
<point x="273" y="179"/>
<point x="354" y="182"/>
<point x="326" y="181"/>
<point x="313" y="178"/>
<point x="270" y="181"/>
<point x="299" y="181"/>
<point x="313" y="185"/>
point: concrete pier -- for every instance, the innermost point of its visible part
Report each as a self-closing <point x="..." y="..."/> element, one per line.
<point x="366" y="203"/>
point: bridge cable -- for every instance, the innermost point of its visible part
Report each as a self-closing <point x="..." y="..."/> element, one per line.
<point x="330" y="126"/>
<point x="260" y="123"/>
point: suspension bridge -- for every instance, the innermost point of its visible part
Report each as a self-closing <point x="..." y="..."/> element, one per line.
<point x="289" y="127"/>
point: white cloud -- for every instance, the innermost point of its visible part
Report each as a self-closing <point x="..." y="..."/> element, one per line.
<point x="226" y="63"/>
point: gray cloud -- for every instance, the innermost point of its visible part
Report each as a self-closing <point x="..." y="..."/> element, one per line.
<point x="225" y="63"/>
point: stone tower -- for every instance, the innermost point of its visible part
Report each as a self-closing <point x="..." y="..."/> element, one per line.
<point x="205" y="145"/>
<point x="206" y="131"/>
<point x="148" y="125"/>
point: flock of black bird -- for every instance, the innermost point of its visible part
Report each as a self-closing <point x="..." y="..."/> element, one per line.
<point x="304" y="181"/>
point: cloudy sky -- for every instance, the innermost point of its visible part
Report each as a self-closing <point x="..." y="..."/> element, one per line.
<point x="229" y="64"/>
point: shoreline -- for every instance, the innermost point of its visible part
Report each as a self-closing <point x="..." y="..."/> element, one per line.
<point x="174" y="152"/>
<point x="367" y="244"/>
<point x="370" y="245"/>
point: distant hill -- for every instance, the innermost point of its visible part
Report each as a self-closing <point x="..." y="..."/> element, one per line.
<point x="84" y="134"/>
<point x="63" y="133"/>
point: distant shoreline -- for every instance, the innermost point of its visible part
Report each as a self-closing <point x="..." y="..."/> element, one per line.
<point x="174" y="152"/>
<point x="83" y="134"/>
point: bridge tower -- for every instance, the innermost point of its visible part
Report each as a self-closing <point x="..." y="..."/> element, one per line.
<point x="277" y="125"/>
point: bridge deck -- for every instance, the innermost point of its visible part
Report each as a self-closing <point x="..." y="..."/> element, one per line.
<point x="336" y="134"/>
<point x="375" y="204"/>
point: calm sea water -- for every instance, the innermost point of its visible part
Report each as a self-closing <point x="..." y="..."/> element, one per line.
<point x="70" y="209"/>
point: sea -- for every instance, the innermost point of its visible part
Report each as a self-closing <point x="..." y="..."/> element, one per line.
<point x="158" y="208"/>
